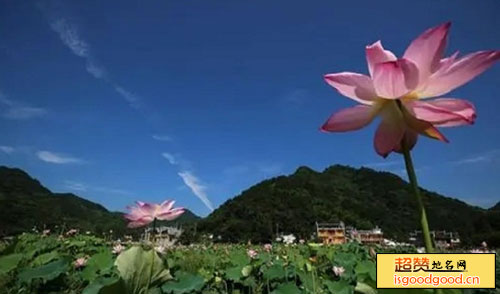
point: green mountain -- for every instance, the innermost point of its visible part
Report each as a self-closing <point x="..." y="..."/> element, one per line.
<point x="362" y="198"/>
<point x="25" y="203"/>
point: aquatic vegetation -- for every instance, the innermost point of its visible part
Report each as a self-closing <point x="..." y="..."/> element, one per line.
<point x="45" y="264"/>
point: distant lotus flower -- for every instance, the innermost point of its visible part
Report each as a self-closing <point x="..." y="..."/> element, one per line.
<point x="45" y="232"/>
<point x="118" y="248"/>
<point x="289" y="239"/>
<point x="72" y="232"/>
<point x="80" y="262"/>
<point x="302" y="241"/>
<point x="338" y="270"/>
<point x="278" y="239"/>
<point x="145" y="213"/>
<point x="252" y="253"/>
<point x="160" y="249"/>
<point x="395" y="88"/>
<point x="268" y="247"/>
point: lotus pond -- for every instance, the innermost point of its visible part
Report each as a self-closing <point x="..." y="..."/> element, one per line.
<point x="33" y="263"/>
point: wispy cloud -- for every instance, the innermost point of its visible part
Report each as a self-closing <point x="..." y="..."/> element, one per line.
<point x="296" y="97"/>
<point x="485" y="157"/>
<point x="382" y="164"/>
<point x="236" y="170"/>
<point x="170" y="157"/>
<point x="57" y="158"/>
<point x="70" y="37"/>
<point x="75" y="186"/>
<point x="163" y="138"/>
<point x="257" y="168"/>
<point x="196" y="187"/>
<point x="95" y="69"/>
<point x="111" y="190"/>
<point x="271" y="169"/>
<point x="132" y="99"/>
<point x="81" y="187"/>
<point x="7" y="149"/>
<point x="24" y="112"/>
<point x="19" y="111"/>
<point x="189" y="178"/>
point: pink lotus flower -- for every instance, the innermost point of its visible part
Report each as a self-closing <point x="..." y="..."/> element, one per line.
<point x="252" y="253"/>
<point x="395" y="89"/>
<point x="145" y="213"/>
<point x="80" y="262"/>
<point x="338" y="270"/>
<point x="118" y="248"/>
<point x="268" y="247"/>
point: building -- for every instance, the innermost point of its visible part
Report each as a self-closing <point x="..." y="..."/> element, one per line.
<point x="331" y="233"/>
<point x="338" y="233"/>
<point x="373" y="236"/>
<point x="442" y="239"/>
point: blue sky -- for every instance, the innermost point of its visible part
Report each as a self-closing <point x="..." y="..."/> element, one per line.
<point x="199" y="100"/>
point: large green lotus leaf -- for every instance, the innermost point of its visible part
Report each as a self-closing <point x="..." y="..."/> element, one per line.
<point x="366" y="269"/>
<point x="45" y="258"/>
<point x="103" y="285"/>
<point x="185" y="283"/>
<point x="9" y="262"/>
<point x="307" y="281"/>
<point x="339" y="287"/>
<point x="288" y="288"/>
<point x="276" y="271"/>
<point x="98" y="265"/>
<point x="46" y="272"/>
<point x="240" y="259"/>
<point x="141" y="270"/>
<point x="246" y="270"/>
<point x="364" y="288"/>
<point x="234" y="273"/>
<point x="405" y="291"/>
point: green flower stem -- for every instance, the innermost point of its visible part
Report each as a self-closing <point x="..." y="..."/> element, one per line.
<point x="153" y="253"/>
<point x="413" y="181"/>
<point x="423" y="216"/>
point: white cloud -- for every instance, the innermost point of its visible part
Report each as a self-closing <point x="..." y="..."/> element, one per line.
<point x="132" y="99"/>
<point x="18" y="111"/>
<point x="236" y="170"/>
<point x="57" y="158"/>
<point x="80" y="187"/>
<point x="171" y="158"/>
<point x="70" y="37"/>
<point x="164" y="138"/>
<point x="485" y="157"/>
<point x="96" y="70"/>
<point x="75" y="186"/>
<point x="196" y="187"/>
<point x="6" y="101"/>
<point x="383" y="164"/>
<point x="111" y="190"/>
<point x="271" y="169"/>
<point x="7" y="149"/>
<point x="475" y="159"/>
<point x="24" y="112"/>
<point x="297" y="97"/>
